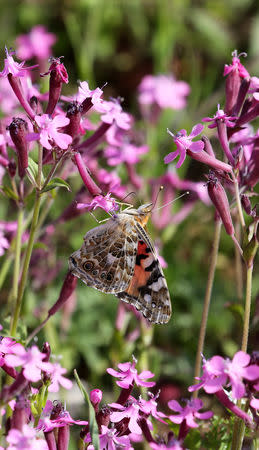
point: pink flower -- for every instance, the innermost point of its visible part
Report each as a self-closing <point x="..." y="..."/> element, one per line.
<point x="189" y="412"/>
<point x="236" y="65"/>
<point x="25" y="439"/>
<point x="131" y="411"/>
<point x="217" y="370"/>
<point x="110" y="440"/>
<point x="150" y="407"/>
<point x="184" y="142"/>
<point x="12" y="67"/>
<point x="56" y="375"/>
<point x="31" y="361"/>
<point x="220" y="115"/>
<point x="127" y="153"/>
<point x="96" y="396"/>
<point x="164" y="91"/>
<point x="37" y="42"/>
<point x="175" y="445"/>
<point x="255" y="403"/>
<point x="8" y="346"/>
<point x="99" y="201"/>
<point x="48" y="132"/>
<point x="85" y="92"/>
<point x="128" y="374"/>
<point x="114" y="114"/>
<point x="62" y="417"/>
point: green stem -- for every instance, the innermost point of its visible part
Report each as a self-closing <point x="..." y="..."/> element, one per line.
<point x="239" y="426"/>
<point x="17" y="259"/>
<point x="27" y="259"/>
<point x="211" y="274"/>
<point x="238" y="201"/>
<point x="5" y="268"/>
<point x="40" y="155"/>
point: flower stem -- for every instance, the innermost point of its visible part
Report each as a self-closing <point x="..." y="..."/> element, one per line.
<point x="27" y="259"/>
<point x="17" y="258"/>
<point x="238" y="265"/>
<point x="211" y="274"/>
<point x="239" y="206"/>
<point x="239" y="426"/>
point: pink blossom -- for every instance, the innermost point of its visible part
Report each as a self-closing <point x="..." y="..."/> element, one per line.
<point x="217" y="370"/>
<point x="128" y="374"/>
<point x="110" y="440"/>
<point x="8" y="98"/>
<point x="37" y="42"/>
<point x="255" y="403"/>
<point x="164" y="91"/>
<point x="114" y="114"/>
<point x="150" y="407"/>
<point x="48" y="132"/>
<point x="175" y="445"/>
<point x="8" y="346"/>
<point x="112" y="182"/>
<point x="62" y="418"/>
<point x="96" y="396"/>
<point x="12" y="67"/>
<point x="31" y="361"/>
<point x="99" y="201"/>
<point x="85" y="92"/>
<point x="189" y="412"/>
<point x="25" y="439"/>
<point x="220" y="116"/>
<point x="127" y="153"/>
<point x="236" y="65"/>
<point x="56" y="375"/>
<point x="184" y="142"/>
<point x="131" y="411"/>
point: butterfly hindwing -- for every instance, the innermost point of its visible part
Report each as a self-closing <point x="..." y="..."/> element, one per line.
<point x="148" y="290"/>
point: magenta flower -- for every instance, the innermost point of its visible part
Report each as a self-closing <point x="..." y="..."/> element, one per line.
<point x="96" y="396"/>
<point x="8" y="346"/>
<point x="48" y="132"/>
<point x="127" y="153"/>
<point x="130" y="411"/>
<point x="220" y="115"/>
<point x="255" y="403"/>
<point x="31" y="361"/>
<point x="189" y="412"/>
<point x="110" y="440"/>
<point x="25" y="439"/>
<point x="184" y="142"/>
<point x="128" y="374"/>
<point x="175" y="445"/>
<point x="56" y="376"/>
<point x="164" y="91"/>
<point x="85" y="92"/>
<point x="236" y="65"/>
<point x="12" y="67"/>
<point x="62" y="418"/>
<point x="150" y="407"/>
<point x="99" y="201"/>
<point x="37" y="42"/>
<point x="114" y="114"/>
<point x="217" y="370"/>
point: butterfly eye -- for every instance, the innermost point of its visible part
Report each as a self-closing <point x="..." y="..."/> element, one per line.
<point x="109" y="277"/>
<point x="87" y="266"/>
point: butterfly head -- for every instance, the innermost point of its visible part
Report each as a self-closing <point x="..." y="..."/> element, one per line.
<point x="141" y="214"/>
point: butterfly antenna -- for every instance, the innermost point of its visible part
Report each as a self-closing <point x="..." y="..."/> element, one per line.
<point x="155" y="202"/>
<point x="174" y="200"/>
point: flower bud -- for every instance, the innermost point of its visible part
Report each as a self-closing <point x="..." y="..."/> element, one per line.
<point x="20" y="416"/>
<point x="63" y="437"/>
<point x="36" y="106"/>
<point x="58" y="76"/>
<point x="246" y="204"/>
<point x="103" y="416"/>
<point x="233" y="82"/>
<point x="96" y="397"/>
<point x="74" y="115"/>
<point x="207" y="146"/>
<point x="207" y="159"/>
<point x="18" y="129"/>
<point x="68" y="287"/>
<point x="219" y="198"/>
<point x="47" y="351"/>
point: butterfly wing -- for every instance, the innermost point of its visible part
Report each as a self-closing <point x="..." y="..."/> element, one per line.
<point x="107" y="257"/>
<point x="148" y="290"/>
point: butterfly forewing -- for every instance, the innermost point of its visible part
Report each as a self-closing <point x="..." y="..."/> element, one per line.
<point x="107" y="257"/>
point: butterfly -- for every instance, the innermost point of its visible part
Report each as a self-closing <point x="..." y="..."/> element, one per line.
<point x="118" y="257"/>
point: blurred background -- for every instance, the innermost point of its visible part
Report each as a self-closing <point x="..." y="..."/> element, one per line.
<point x="118" y="42"/>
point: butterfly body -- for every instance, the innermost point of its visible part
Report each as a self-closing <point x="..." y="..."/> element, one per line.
<point x="118" y="257"/>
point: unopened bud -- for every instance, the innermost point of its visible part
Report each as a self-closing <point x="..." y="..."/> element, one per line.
<point x="207" y="146"/>
<point x="103" y="416"/>
<point x="58" y="76"/>
<point x="20" y="416"/>
<point x="96" y="397"/>
<point x="36" y="106"/>
<point x="18" y="129"/>
<point x="74" y="115"/>
<point x="219" y="198"/>
<point x="68" y="287"/>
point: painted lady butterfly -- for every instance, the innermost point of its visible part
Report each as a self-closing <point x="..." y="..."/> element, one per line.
<point x="119" y="258"/>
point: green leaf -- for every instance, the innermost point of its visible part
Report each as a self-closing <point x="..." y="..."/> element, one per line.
<point x="8" y="192"/>
<point x="56" y="182"/>
<point x="32" y="172"/>
<point x="92" y="421"/>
